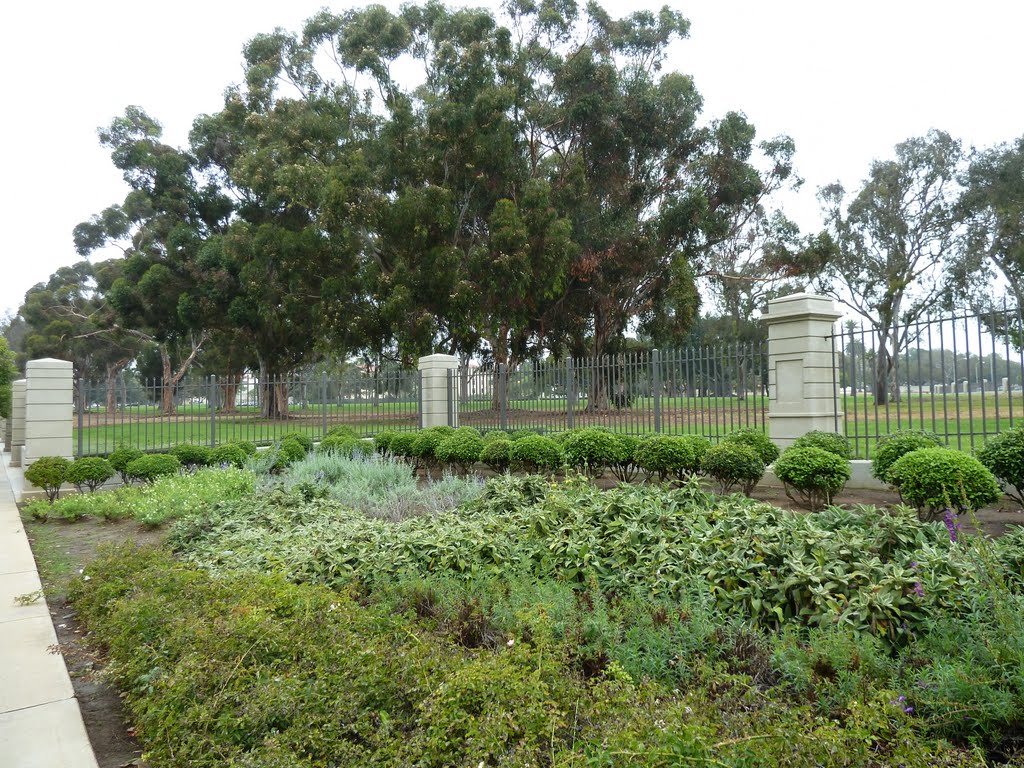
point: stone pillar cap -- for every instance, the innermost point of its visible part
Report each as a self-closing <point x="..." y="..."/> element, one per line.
<point x="796" y="304"/>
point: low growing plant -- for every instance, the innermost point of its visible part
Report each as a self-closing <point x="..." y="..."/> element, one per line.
<point x="826" y="441"/>
<point x="229" y="454"/>
<point x="460" y="450"/>
<point x="495" y="454"/>
<point x="301" y="438"/>
<point x="152" y="466"/>
<point x="592" y="450"/>
<point x="757" y="440"/>
<point x="1003" y="456"/>
<point x="895" y="445"/>
<point x="120" y="459"/>
<point x="675" y="456"/>
<point x="192" y="456"/>
<point x="734" y="465"/>
<point x="535" y="453"/>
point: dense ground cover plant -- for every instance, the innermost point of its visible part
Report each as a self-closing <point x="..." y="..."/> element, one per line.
<point x="938" y="479"/>
<point x="815" y="475"/>
<point x="152" y="504"/>
<point x="897" y="444"/>
<point x="89" y="472"/>
<point x="152" y="466"/>
<point x="757" y="440"/>
<point x="48" y="473"/>
<point x="1003" y="456"/>
<point x="826" y="441"/>
<point x="249" y="670"/>
<point x="734" y="466"/>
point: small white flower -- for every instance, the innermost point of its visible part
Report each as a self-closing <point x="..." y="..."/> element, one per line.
<point x="510" y="643"/>
<point x="86" y="578"/>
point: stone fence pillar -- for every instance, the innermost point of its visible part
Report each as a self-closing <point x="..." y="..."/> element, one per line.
<point x="438" y="393"/>
<point x="49" y="417"/>
<point x="802" y="380"/>
<point x="17" y="442"/>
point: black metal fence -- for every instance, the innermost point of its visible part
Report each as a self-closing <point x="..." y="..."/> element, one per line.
<point x="959" y="376"/>
<point x="213" y="410"/>
<point x="708" y="390"/>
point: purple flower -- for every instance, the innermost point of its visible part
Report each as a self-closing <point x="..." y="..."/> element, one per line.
<point x="918" y="589"/>
<point x="913" y="565"/>
<point x="909" y="710"/>
<point x="952" y="524"/>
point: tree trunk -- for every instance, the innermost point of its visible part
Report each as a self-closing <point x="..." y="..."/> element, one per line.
<point x="883" y="372"/>
<point x="166" y="383"/>
<point x="273" y="395"/>
<point x="113" y="369"/>
<point x="229" y="386"/>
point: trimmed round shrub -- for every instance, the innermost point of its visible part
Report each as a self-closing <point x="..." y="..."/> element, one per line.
<point x="1003" y="456"/>
<point x="342" y="430"/>
<point x="228" y="454"/>
<point x="762" y="445"/>
<point x="401" y="444"/>
<point x="192" y="457"/>
<point x="249" y="449"/>
<point x="535" y="453"/>
<point x="814" y="474"/>
<point x="592" y="450"/>
<point x="426" y="443"/>
<point x="937" y="479"/>
<point x="625" y="467"/>
<point x="519" y="434"/>
<point x="666" y="456"/>
<point x="734" y="465"/>
<point x="301" y="438"/>
<point x="89" y="472"/>
<point x="48" y="473"/>
<point x="897" y="444"/>
<point x="461" y="450"/>
<point x="382" y="441"/>
<point x="495" y="454"/>
<point x="287" y="452"/>
<point x="495" y="434"/>
<point x="346" y="445"/>
<point x="826" y="441"/>
<point x="120" y="459"/>
<point x="153" y="466"/>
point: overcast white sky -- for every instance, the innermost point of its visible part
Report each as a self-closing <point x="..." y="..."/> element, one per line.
<point x="846" y="80"/>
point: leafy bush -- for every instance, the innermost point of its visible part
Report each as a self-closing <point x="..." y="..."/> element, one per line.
<point x="286" y="452"/>
<point x="826" y="441"/>
<point x="345" y="445"/>
<point x="518" y="434"/>
<point x="89" y="472"/>
<point x="495" y="454"/>
<point x="816" y="474"/>
<point x="671" y="456"/>
<point x="495" y="434"/>
<point x="534" y="453"/>
<point x="342" y="430"/>
<point x="248" y="448"/>
<point x="228" y="454"/>
<point x="1003" y="455"/>
<point x="460" y="449"/>
<point x="897" y="444"/>
<point x="625" y="467"/>
<point x="592" y="450"/>
<point x="192" y="457"/>
<point x="382" y="441"/>
<point x="937" y="479"/>
<point x="425" y="443"/>
<point x="301" y="438"/>
<point x="48" y="473"/>
<point x="734" y="464"/>
<point x="153" y="466"/>
<point x="401" y="444"/>
<point x="754" y="438"/>
<point x="120" y="459"/>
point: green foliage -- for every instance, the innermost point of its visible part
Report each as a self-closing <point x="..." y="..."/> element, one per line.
<point x="48" y="473"/>
<point x="342" y="430"/>
<point x="1003" y="456"/>
<point x="461" y="449"/>
<point x="816" y="474"/>
<point x="625" y="467"/>
<point x="518" y="434"/>
<point x="495" y="434"/>
<point x="425" y="443"/>
<point x="826" y="441"/>
<point x="937" y="479"/>
<point x="152" y="466"/>
<point x="534" y="453"/>
<point x="734" y="464"/>
<point x="345" y="445"/>
<point x="756" y="439"/>
<point x="284" y="453"/>
<point x="382" y="441"/>
<point x="401" y="444"/>
<point x="592" y="450"/>
<point x="248" y="448"/>
<point x="89" y="472"/>
<point x="495" y="454"/>
<point x="303" y="439"/>
<point x="674" y="456"/>
<point x="896" y="444"/>
<point x="120" y="459"/>
<point x="8" y="374"/>
<point x="228" y="454"/>
<point x="192" y="457"/>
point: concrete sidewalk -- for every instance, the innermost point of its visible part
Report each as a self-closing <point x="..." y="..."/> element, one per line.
<point x="40" y="722"/>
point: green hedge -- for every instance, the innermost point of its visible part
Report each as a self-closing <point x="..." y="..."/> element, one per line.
<point x="816" y="475"/>
<point x="938" y="479"/>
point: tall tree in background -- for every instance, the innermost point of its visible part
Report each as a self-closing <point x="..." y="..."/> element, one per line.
<point x="8" y="373"/>
<point x="895" y="243"/>
<point x="161" y="227"/>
